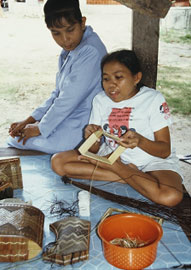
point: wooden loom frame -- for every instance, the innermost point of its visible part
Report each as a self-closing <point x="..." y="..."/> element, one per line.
<point x="83" y="149"/>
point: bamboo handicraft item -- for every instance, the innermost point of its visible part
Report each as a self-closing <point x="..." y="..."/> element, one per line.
<point x="6" y="190"/>
<point x="72" y="241"/>
<point x="21" y="232"/>
<point x="92" y="139"/>
<point x="10" y="172"/>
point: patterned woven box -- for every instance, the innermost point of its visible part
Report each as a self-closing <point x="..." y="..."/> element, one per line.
<point x="10" y="171"/>
<point x="72" y="241"/>
<point x="21" y="232"/>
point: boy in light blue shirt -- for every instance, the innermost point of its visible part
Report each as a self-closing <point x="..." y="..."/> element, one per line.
<point x="57" y="125"/>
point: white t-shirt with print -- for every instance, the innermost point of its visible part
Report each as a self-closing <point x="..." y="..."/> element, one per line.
<point x="146" y="113"/>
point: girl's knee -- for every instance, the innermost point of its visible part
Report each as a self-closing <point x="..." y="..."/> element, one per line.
<point x="57" y="164"/>
<point x="171" y="198"/>
<point x="60" y="161"/>
<point x="170" y="192"/>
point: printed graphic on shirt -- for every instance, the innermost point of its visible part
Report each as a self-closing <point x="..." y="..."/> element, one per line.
<point x="118" y="123"/>
<point x="164" y="109"/>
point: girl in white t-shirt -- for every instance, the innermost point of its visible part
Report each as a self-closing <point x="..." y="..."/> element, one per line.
<point x="141" y="118"/>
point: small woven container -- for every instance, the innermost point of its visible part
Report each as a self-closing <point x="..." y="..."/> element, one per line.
<point x="10" y="171"/>
<point x="72" y="241"/>
<point x="136" y="226"/>
<point x="21" y="232"/>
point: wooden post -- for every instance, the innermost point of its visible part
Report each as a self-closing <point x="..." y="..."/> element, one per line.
<point x="145" y="41"/>
<point x="145" y="38"/>
<point x="154" y="8"/>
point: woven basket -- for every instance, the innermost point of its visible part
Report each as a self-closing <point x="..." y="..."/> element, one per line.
<point x="21" y="232"/>
<point x="72" y="241"/>
<point x="10" y="171"/>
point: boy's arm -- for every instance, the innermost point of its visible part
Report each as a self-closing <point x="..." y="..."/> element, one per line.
<point x="45" y="106"/>
<point x="74" y="89"/>
<point x="38" y="113"/>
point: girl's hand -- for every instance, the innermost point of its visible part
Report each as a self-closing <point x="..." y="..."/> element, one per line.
<point x="130" y="139"/>
<point x="31" y="130"/>
<point x="91" y="129"/>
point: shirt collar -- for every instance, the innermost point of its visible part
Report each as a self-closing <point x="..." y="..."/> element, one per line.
<point x="88" y="31"/>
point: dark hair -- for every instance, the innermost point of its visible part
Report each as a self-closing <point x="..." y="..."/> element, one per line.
<point x="56" y="10"/>
<point x="127" y="58"/>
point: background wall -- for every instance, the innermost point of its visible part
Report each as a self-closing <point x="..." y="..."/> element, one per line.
<point x="102" y="2"/>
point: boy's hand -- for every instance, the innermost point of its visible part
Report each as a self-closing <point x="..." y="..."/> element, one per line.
<point x="31" y="130"/>
<point x="91" y="129"/>
<point x="16" y="128"/>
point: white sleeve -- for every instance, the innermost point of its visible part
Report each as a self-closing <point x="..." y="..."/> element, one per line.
<point x="159" y="113"/>
<point x="95" y="116"/>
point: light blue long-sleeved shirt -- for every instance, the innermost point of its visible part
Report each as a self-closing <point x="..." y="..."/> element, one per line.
<point x="65" y="114"/>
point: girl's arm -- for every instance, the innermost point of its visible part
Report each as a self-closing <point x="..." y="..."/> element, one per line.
<point x="160" y="147"/>
<point x="159" y="119"/>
